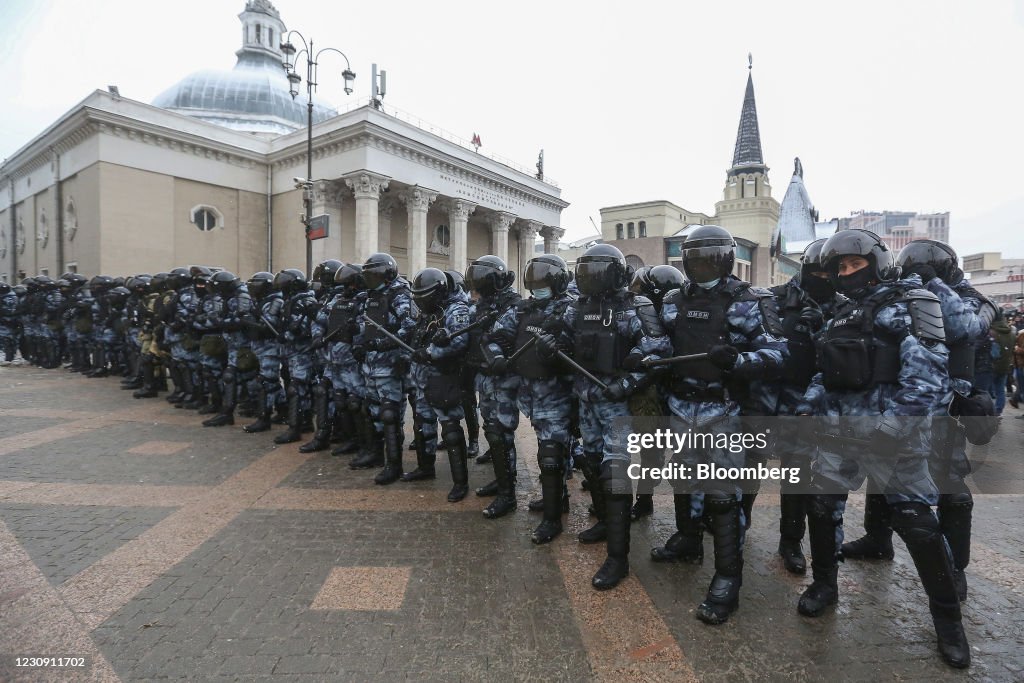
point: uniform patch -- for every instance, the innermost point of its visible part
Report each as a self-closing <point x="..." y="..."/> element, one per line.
<point x="699" y="315"/>
<point x="461" y="318"/>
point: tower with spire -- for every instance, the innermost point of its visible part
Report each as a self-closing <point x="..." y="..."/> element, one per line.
<point x="747" y="208"/>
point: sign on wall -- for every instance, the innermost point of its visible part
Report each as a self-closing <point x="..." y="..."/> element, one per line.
<point x="319" y="227"/>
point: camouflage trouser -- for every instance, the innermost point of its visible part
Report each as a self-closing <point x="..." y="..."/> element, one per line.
<point x="300" y="370"/>
<point x="269" y="377"/>
<point x="8" y="341"/>
<point x="380" y="390"/>
<point x="498" y="408"/>
<point x="427" y="417"/>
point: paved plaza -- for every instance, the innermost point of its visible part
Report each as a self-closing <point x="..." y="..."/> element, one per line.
<point x="156" y="549"/>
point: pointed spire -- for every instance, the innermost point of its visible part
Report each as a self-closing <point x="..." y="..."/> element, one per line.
<point x="747" y="152"/>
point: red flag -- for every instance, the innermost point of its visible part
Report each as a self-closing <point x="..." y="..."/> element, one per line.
<point x="476" y="140"/>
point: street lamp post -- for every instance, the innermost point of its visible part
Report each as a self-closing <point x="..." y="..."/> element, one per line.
<point x="293" y="84"/>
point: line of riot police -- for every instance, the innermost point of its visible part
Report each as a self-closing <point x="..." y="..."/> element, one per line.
<point x="857" y="333"/>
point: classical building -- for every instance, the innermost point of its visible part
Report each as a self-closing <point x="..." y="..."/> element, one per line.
<point x="647" y="232"/>
<point x="206" y="174"/>
<point x="998" y="278"/>
<point x="897" y="228"/>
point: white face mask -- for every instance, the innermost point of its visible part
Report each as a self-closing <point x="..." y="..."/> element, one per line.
<point x="709" y="284"/>
<point x="543" y="293"/>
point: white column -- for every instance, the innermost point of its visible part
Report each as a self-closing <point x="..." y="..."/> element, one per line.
<point x="367" y="188"/>
<point x="385" y="207"/>
<point x="527" y="239"/>
<point x="327" y="198"/>
<point x="458" y="222"/>
<point x="552" y="236"/>
<point x="500" y="224"/>
<point x="417" y="201"/>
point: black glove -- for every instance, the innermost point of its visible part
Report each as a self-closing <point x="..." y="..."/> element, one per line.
<point x="441" y="338"/>
<point x="359" y="353"/>
<point x="632" y="362"/>
<point x="382" y="344"/>
<point x="317" y="343"/>
<point x="353" y="328"/>
<point x="618" y="390"/>
<point x="812" y="318"/>
<point x="724" y="356"/>
<point x="547" y="346"/>
<point x="421" y="356"/>
<point x="498" y="365"/>
<point x="926" y="272"/>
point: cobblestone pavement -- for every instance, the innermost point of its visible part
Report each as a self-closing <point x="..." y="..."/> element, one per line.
<point x="157" y="549"/>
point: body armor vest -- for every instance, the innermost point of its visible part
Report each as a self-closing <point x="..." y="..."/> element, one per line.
<point x="853" y="356"/>
<point x="377" y="306"/>
<point x="531" y="319"/>
<point x="961" y="354"/>
<point x="598" y="346"/>
<point x="340" y="319"/>
<point x="498" y="304"/>
<point x="702" y="322"/>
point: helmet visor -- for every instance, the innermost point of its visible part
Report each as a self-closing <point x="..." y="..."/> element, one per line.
<point x="704" y="264"/>
<point x="596" y="277"/>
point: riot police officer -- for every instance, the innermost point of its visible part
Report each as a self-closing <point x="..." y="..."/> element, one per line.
<point x="601" y="330"/>
<point x="497" y="387"/>
<point x="737" y="327"/>
<point x="9" y="323"/>
<point x="236" y="307"/>
<point x="884" y="370"/>
<point x="325" y="289"/>
<point x="262" y="326"/>
<point x="545" y="392"/>
<point x="300" y="308"/>
<point x="339" y="319"/>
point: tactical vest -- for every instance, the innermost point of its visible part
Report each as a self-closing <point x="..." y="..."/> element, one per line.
<point x="852" y="356"/>
<point x="598" y="347"/>
<point x="801" y="365"/>
<point x="500" y="303"/>
<point x="377" y="307"/>
<point x="962" y="353"/>
<point x="702" y="322"/>
<point x="531" y="319"/>
<point x="340" y="319"/>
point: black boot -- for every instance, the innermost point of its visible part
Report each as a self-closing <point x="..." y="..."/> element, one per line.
<point x="483" y="459"/>
<point x="370" y="455"/>
<point x="229" y="391"/>
<point x="919" y="529"/>
<point x="148" y="370"/>
<point x="216" y="398"/>
<point x="551" y="457"/>
<point x="345" y="424"/>
<point x="955" y="511"/>
<point x="591" y="464"/>
<point x="174" y="370"/>
<point x="262" y="423"/>
<point x="876" y="544"/>
<point x="458" y="459"/>
<point x="748" y="508"/>
<point x="505" y="500"/>
<point x="198" y="392"/>
<point x="616" y="565"/>
<point x="294" y="432"/>
<point x="687" y="544"/>
<point x="724" y="592"/>
<point x="135" y="379"/>
<point x="321" y="440"/>
<point x="822" y="521"/>
<point x="791" y="531"/>
<point x="643" y="506"/>
<point x="425" y="462"/>
<point x="392" y="471"/>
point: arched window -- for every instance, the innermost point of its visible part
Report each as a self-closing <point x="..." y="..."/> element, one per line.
<point x="270" y="37"/>
<point x="206" y="218"/>
<point x="618" y="231"/>
<point x="631" y="230"/>
<point x="259" y="33"/>
<point x="643" y="228"/>
<point x="634" y="261"/>
<point x="70" y="220"/>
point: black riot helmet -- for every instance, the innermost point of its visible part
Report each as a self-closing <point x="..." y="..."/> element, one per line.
<point x="224" y="282"/>
<point x="863" y="243"/>
<point x="379" y="270"/>
<point x="20" y="290"/>
<point x="654" y="282"/>
<point x="601" y="270"/>
<point x="178" y="278"/>
<point x="430" y="289"/>
<point x="45" y="283"/>
<point x="547" y="271"/>
<point x="5" y="289"/>
<point x="350" y="276"/>
<point x="119" y="281"/>
<point x="821" y="289"/>
<point x="261" y="284"/>
<point x="291" y="281"/>
<point x="139" y="284"/>
<point x="810" y="260"/>
<point x="117" y="296"/>
<point x="76" y="280"/>
<point x="456" y="281"/>
<point x="937" y="255"/>
<point x="100" y="283"/>
<point x="159" y="282"/>
<point x="30" y="284"/>
<point x="64" y="286"/>
<point x="489" y="275"/>
<point x="709" y="253"/>
<point x="324" y="272"/>
<point x="200" y="276"/>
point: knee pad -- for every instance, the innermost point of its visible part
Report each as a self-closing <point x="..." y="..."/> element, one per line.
<point x="354" y="404"/>
<point x="292" y="390"/>
<point x="319" y="388"/>
<point x="452" y="434"/>
<point x="959" y="502"/>
<point x="495" y="436"/>
<point x="340" y="397"/>
<point x="389" y="412"/>
<point x="230" y="375"/>
<point x="915" y="523"/>
<point x="551" y="457"/>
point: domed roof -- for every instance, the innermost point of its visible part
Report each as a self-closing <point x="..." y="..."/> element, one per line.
<point x="252" y="97"/>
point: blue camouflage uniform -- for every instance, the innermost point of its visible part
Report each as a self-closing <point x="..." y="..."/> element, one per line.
<point x="384" y="364"/>
<point x="9" y="327"/>
<point x="264" y="344"/>
<point x="296" y="319"/>
<point x="184" y="346"/>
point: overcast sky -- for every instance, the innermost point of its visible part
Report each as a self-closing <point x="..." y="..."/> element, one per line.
<point x="890" y="105"/>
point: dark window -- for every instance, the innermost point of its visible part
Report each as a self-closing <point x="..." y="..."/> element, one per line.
<point x="205" y="220"/>
<point x="631" y="229"/>
<point x="259" y="33"/>
<point x="443" y="235"/>
<point x="270" y="37"/>
<point x="643" y="228"/>
<point x="618" y="231"/>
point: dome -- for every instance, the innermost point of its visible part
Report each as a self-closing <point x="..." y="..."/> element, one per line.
<point x="251" y="97"/>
